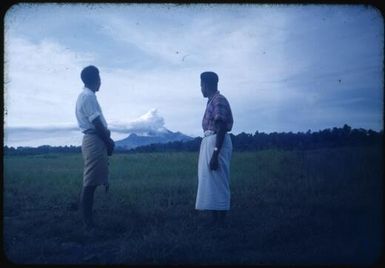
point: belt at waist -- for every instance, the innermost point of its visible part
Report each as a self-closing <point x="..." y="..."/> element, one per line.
<point x="89" y="131"/>
<point x="209" y="133"/>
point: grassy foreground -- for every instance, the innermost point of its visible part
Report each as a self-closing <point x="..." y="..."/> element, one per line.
<point x="288" y="207"/>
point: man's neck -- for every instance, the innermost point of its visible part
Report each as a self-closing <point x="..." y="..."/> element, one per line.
<point x="91" y="88"/>
<point x="211" y="94"/>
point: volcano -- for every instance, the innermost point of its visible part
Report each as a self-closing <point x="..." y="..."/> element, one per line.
<point x="162" y="135"/>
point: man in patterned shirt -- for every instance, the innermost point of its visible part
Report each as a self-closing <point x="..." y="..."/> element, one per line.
<point x="215" y="152"/>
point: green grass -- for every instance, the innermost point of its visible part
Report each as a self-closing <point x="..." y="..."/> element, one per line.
<point x="288" y="207"/>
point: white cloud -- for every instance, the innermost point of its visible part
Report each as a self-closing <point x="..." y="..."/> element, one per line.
<point x="70" y="134"/>
<point x="278" y="66"/>
<point x="42" y="135"/>
<point x="42" y="81"/>
<point x="149" y="122"/>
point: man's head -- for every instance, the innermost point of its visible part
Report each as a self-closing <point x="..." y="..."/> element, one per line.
<point x="90" y="77"/>
<point x="209" y="83"/>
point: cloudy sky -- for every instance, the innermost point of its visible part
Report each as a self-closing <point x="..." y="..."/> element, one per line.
<point x="282" y="67"/>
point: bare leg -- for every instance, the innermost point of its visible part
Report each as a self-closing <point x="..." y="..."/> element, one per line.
<point x="86" y="202"/>
<point x="219" y="217"/>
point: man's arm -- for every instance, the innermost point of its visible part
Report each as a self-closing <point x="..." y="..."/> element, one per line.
<point x="221" y="131"/>
<point x="104" y="134"/>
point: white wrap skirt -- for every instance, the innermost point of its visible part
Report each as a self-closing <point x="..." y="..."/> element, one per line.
<point x="214" y="185"/>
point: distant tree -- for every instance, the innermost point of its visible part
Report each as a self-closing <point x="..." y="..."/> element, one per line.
<point x="345" y="136"/>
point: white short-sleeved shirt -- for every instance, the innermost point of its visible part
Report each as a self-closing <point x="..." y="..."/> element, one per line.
<point x="87" y="109"/>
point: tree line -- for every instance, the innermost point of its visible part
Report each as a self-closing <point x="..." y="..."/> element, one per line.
<point x="44" y="149"/>
<point x="327" y="138"/>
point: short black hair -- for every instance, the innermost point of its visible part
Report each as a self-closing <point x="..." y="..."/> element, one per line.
<point x="209" y="77"/>
<point x="89" y="75"/>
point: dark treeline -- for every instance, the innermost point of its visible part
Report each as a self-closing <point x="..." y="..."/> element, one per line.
<point x="44" y="149"/>
<point x="327" y="138"/>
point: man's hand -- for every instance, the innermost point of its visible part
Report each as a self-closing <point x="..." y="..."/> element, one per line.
<point x="214" y="161"/>
<point x="110" y="147"/>
<point x="104" y="134"/>
<point x="221" y="130"/>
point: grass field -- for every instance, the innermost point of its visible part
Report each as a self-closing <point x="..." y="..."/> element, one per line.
<point x="288" y="207"/>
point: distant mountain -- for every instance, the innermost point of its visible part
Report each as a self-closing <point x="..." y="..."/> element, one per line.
<point x="162" y="135"/>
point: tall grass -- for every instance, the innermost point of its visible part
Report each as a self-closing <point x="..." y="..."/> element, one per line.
<point x="288" y="207"/>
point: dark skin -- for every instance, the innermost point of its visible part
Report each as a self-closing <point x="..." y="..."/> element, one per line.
<point x="101" y="130"/>
<point x="221" y="131"/>
<point x="104" y="134"/>
<point x="220" y="126"/>
<point x="207" y="92"/>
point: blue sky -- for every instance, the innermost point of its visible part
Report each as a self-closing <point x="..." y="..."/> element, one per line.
<point x="282" y="67"/>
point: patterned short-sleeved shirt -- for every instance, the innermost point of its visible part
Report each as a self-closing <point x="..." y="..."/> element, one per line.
<point x="218" y="108"/>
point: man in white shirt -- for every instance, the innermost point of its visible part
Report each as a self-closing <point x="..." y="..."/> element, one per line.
<point x="97" y="144"/>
